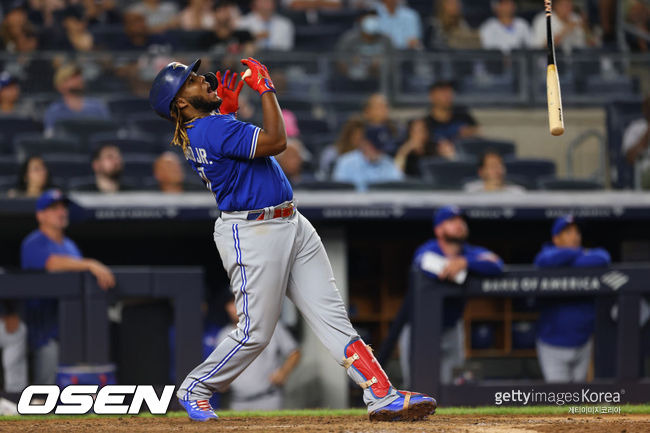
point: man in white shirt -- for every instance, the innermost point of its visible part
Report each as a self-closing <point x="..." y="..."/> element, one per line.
<point x="271" y="31"/>
<point x="400" y="23"/>
<point x="636" y="140"/>
<point x="568" y="27"/>
<point x="504" y="31"/>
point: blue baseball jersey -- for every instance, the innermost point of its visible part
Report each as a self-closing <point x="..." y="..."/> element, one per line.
<point x="222" y="152"/>
<point x="41" y="315"/>
<point x="480" y="261"/>
<point x="568" y="322"/>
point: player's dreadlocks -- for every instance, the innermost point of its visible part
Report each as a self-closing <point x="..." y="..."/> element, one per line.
<point x="180" y="132"/>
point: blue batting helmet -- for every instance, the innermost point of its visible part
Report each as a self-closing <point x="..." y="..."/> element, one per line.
<point x="167" y="84"/>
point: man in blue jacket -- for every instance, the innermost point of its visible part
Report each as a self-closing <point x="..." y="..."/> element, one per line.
<point x="450" y="257"/>
<point x="564" y="328"/>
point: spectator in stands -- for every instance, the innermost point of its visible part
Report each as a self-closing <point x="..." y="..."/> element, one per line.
<point x="33" y="178"/>
<point x="108" y="166"/>
<point x="292" y="161"/>
<point x="569" y="28"/>
<point x="13" y="342"/>
<point x="492" y="174"/>
<point x="271" y="31"/>
<point x="161" y="16"/>
<point x="197" y="15"/>
<point x="367" y="163"/>
<point x="400" y="23"/>
<point x="72" y="36"/>
<point x="449" y="257"/>
<point x="376" y="115"/>
<point x="10" y="102"/>
<point x="168" y="172"/>
<point x="312" y="5"/>
<point x="225" y="36"/>
<point x="447" y="122"/>
<point x="47" y="248"/>
<point x="69" y="82"/>
<point x="259" y="387"/>
<point x="349" y="139"/>
<point x="636" y="140"/>
<point x="565" y="327"/>
<point x="44" y="14"/>
<point x="417" y="145"/>
<point x="505" y="31"/>
<point x="105" y="12"/>
<point x="17" y="34"/>
<point x="450" y="29"/>
<point x="638" y="16"/>
<point x="137" y="36"/>
<point x="364" y="49"/>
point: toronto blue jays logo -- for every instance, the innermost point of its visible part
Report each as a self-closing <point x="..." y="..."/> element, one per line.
<point x="175" y="65"/>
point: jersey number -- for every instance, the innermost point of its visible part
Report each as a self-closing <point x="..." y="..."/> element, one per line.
<point x="208" y="184"/>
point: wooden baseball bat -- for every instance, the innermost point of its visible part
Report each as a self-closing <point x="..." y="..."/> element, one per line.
<point x="553" y="93"/>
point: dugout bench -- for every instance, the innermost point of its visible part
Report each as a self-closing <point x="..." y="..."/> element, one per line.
<point x="625" y="284"/>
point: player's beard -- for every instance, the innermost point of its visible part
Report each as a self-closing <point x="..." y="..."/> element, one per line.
<point x="458" y="240"/>
<point x="203" y="105"/>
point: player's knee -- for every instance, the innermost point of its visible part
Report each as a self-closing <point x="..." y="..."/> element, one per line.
<point x="259" y="340"/>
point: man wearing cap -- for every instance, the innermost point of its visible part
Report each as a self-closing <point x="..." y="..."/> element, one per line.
<point x="69" y="82"/>
<point x="564" y="328"/>
<point x="367" y="164"/>
<point x="10" y="102"/>
<point x="449" y="257"/>
<point x="47" y="248"/>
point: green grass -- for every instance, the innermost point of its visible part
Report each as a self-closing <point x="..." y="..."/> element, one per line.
<point x="450" y="411"/>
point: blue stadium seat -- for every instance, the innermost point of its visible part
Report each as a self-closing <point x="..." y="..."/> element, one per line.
<point x="65" y="166"/>
<point x="139" y="166"/>
<point x="476" y="147"/>
<point x="34" y="144"/>
<point x="6" y="183"/>
<point x="530" y="170"/>
<point x="83" y="129"/>
<point x="317" y="37"/>
<point x="557" y="184"/>
<point x="618" y="86"/>
<point x="129" y="144"/>
<point x="402" y="185"/>
<point x="124" y="107"/>
<point x="11" y="126"/>
<point x="9" y="166"/>
<point x="326" y="185"/>
<point x="151" y="124"/>
<point x="446" y="174"/>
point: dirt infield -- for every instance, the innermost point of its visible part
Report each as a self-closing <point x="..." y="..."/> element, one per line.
<point x="344" y="424"/>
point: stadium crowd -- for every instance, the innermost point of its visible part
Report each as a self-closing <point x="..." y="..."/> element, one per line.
<point x="74" y="75"/>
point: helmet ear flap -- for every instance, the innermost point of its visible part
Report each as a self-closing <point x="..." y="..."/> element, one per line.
<point x="212" y="80"/>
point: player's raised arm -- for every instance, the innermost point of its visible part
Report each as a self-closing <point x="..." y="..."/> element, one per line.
<point x="272" y="138"/>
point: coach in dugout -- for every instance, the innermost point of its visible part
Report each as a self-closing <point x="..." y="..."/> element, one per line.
<point x="449" y="257"/>
<point x="47" y="248"/>
<point x="565" y="327"/>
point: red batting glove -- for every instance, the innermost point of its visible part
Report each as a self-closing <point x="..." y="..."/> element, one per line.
<point x="228" y="91"/>
<point x="259" y="80"/>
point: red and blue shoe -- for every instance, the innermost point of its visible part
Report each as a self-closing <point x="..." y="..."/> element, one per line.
<point x="199" y="410"/>
<point x="409" y="406"/>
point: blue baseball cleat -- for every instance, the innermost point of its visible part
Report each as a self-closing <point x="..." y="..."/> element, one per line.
<point x="409" y="406"/>
<point x="199" y="410"/>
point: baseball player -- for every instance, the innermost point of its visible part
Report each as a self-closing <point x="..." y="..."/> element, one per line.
<point x="565" y="327"/>
<point x="259" y="387"/>
<point x="267" y="247"/>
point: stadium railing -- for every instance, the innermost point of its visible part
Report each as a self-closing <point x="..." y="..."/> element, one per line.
<point x="617" y="346"/>
<point x="83" y="306"/>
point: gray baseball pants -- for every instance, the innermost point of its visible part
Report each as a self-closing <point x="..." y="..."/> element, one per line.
<point x="266" y="260"/>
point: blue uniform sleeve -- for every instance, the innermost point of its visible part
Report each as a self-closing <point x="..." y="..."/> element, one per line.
<point x="230" y="137"/>
<point x="593" y="258"/>
<point x="34" y="252"/>
<point x="483" y="262"/>
<point x="552" y="257"/>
